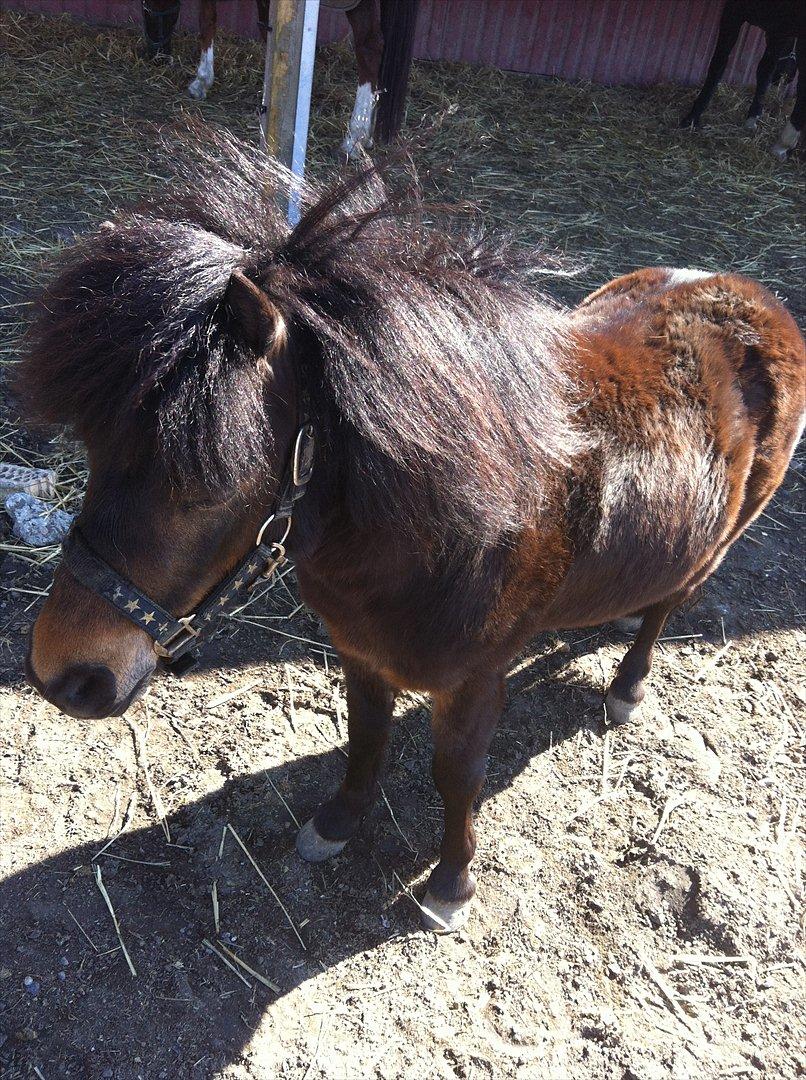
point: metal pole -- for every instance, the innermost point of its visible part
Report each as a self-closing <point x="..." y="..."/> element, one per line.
<point x="303" y="109"/>
<point x="287" y="80"/>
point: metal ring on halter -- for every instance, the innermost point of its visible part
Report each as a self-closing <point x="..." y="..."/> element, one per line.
<point x="265" y="526"/>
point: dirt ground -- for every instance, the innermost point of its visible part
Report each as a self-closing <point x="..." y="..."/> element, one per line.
<point x="639" y="889"/>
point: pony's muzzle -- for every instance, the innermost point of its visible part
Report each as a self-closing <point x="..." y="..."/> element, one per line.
<point x="83" y="690"/>
<point x="84" y="657"/>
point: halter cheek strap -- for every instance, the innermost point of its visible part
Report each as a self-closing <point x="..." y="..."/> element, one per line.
<point x="177" y="638"/>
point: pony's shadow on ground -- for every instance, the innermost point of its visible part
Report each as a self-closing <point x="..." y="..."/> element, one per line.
<point x="186" y="1013"/>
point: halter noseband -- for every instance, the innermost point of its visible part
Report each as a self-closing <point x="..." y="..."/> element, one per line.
<point x="175" y="639"/>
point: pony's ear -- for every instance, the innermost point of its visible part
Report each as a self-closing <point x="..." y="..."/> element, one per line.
<point x="257" y="322"/>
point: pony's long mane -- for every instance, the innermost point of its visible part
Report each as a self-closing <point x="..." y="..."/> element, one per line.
<point x="431" y="364"/>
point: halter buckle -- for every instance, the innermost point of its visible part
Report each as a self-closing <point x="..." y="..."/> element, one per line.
<point x="304" y="448"/>
<point x="166" y="649"/>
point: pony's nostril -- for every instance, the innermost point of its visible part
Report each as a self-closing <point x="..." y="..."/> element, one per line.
<point x="84" y="690"/>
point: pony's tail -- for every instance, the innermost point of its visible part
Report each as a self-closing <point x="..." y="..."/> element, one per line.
<point x="398" y="22"/>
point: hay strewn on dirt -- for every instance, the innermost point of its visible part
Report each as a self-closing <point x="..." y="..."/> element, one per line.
<point x="640" y="889"/>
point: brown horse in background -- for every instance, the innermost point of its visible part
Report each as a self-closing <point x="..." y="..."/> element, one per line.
<point x="383" y="36"/>
<point x="487" y="466"/>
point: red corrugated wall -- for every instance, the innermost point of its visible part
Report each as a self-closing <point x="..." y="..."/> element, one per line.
<point x="607" y="41"/>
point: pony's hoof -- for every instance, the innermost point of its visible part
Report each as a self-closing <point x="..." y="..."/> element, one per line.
<point x="198" y="90"/>
<point x="620" y="711"/>
<point x="630" y="624"/>
<point x="444" y="916"/>
<point x="315" y="848"/>
<point x="751" y="123"/>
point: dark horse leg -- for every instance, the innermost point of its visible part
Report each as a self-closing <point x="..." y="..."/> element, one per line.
<point x="778" y="46"/>
<point x="383" y="32"/>
<point x="205" y="72"/>
<point x="463" y="721"/>
<point x="729" y="26"/>
<point x="370" y="701"/>
<point x="159" y="20"/>
<point x="788" y="139"/>
<point x="627" y="689"/>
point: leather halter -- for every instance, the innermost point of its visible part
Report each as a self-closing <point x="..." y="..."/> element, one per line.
<point x="177" y="638"/>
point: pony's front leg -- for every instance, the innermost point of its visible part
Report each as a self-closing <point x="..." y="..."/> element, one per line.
<point x="463" y="721"/>
<point x="370" y="701"/>
<point x="205" y="72"/>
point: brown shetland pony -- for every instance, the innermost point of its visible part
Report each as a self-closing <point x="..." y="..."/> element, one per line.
<point x="383" y="37"/>
<point x="488" y="466"/>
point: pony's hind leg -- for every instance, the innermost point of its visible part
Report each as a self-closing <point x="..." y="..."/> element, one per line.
<point x="370" y="701"/>
<point x="205" y="72"/>
<point x="628" y="688"/>
<point x="463" y="721"/>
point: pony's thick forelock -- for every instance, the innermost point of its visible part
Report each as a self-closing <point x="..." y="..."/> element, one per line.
<point x="432" y="365"/>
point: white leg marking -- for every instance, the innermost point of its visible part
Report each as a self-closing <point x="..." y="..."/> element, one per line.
<point x="787" y="140"/>
<point x="444" y="916"/>
<point x="205" y="75"/>
<point x="359" y="133"/>
<point x="683" y="274"/>
<point x="620" y="712"/>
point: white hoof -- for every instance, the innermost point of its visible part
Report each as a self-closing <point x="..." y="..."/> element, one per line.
<point x="315" y="848"/>
<point x="751" y="123"/>
<point x="787" y="141"/>
<point x="630" y="624"/>
<point x="444" y="916"/>
<point x="619" y="711"/>
<point x="198" y="89"/>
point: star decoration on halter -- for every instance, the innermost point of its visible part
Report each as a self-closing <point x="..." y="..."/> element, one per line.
<point x="148" y="617"/>
<point x="133" y="605"/>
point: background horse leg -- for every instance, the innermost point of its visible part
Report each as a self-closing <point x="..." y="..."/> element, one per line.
<point x="777" y="48"/>
<point x="365" y="22"/>
<point x="159" y="20"/>
<point x="788" y="139"/>
<point x="463" y="723"/>
<point x="263" y="19"/>
<point x="205" y="73"/>
<point x="370" y="701"/>
<point x="729" y="26"/>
